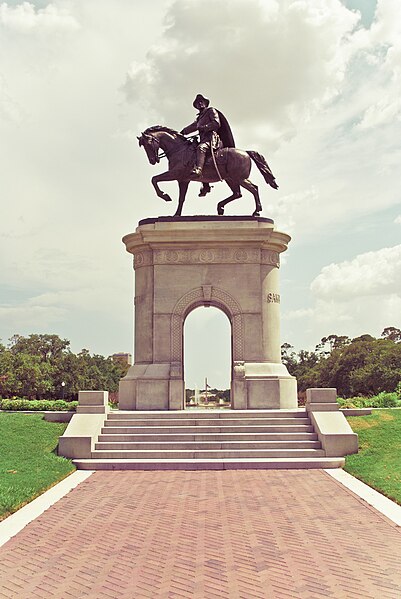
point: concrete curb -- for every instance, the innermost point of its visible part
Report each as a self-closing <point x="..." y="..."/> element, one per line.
<point x="382" y="504"/>
<point x="356" y="411"/>
<point x="16" y="522"/>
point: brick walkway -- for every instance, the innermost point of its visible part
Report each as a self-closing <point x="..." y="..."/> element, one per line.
<point x="207" y="535"/>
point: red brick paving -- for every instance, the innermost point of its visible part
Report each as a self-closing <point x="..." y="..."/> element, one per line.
<point x="251" y="534"/>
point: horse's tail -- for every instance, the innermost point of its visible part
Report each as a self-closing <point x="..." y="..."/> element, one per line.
<point x="264" y="168"/>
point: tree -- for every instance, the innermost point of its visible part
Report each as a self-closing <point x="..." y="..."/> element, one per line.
<point x="392" y="333"/>
<point x="36" y="366"/>
<point x="361" y="366"/>
<point x="366" y="366"/>
<point x="328" y="344"/>
<point x="48" y="347"/>
<point x="288" y="356"/>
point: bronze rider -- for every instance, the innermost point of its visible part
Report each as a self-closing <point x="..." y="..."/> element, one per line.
<point x="214" y="132"/>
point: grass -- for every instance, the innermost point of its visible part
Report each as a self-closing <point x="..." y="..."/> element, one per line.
<point x="378" y="462"/>
<point x="28" y="463"/>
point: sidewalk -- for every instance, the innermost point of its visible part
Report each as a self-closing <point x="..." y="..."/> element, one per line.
<point x="252" y="534"/>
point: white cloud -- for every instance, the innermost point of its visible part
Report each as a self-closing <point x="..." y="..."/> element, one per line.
<point x="373" y="273"/>
<point x="25" y="17"/>
<point x="382" y="45"/>
<point x="397" y="220"/>
<point x="280" y="61"/>
<point x="357" y="296"/>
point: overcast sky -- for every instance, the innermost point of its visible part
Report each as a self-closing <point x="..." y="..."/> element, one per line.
<point x="313" y="85"/>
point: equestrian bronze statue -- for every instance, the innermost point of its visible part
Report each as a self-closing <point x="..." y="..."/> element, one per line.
<point x="210" y="159"/>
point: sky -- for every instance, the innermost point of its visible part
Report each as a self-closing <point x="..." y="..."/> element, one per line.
<point x="313" y="85"/>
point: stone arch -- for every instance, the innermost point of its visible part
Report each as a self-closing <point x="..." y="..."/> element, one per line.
<point x="207" y="295"/>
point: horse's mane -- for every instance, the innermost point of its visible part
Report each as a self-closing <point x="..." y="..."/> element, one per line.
<point x="156" y="128"/>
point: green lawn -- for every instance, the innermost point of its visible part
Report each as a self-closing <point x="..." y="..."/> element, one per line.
<point x="28" y="463"/>
<point x="378" y="462"/>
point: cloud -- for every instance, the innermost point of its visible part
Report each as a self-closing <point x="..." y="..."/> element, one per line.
<point x="280" y="61"/>
<point x="397" y="220"/>
<point x="382" y="45"/>
<point x="25" y="17"/>
<point x="372" y="273"/>
<point x="357" y="296"/>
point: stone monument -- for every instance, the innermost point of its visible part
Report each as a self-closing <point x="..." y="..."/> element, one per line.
<point x="231" y="263"/>
<point x="181" y="263"/>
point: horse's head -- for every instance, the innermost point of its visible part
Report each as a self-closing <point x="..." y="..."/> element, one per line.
<point x="151" y="145"/>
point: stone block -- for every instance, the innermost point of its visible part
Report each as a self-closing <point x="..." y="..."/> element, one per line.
<point x="322" y="407"/>
<point x="239" y="395"/>
<point x="78" y="440"/>
<point x="127" y="394"/>
<point x="152" y="394"/>
<point x="176" y="394"/>
<point x="321" y="395"/>
<point x="334" y="433"/>
<point x="92" y="409"/>
<point x="93" y="398"/>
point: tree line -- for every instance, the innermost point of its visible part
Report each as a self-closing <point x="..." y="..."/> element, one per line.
<point x="36" y="366"/>
<point x="362" y="366"/>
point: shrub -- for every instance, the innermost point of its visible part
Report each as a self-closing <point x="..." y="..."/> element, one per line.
<point x="385" y="400"/>
<point x="381" y="400"/>
<point x="354" y="402"/>
<point x="40" y="405"/>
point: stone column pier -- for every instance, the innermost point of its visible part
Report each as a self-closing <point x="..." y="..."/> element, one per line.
<point x="231" y="263"/>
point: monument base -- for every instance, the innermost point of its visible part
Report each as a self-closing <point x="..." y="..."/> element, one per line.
<point x="263" y="386"/>
<point x="255" y="386"/>
<point x="231" y="263"/>
<point x="149" y="387"/>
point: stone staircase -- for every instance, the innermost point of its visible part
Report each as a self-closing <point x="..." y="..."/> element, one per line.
<point x="208" y="439"/>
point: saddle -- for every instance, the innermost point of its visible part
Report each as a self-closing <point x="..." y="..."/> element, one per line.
<point x="189" y="156"/>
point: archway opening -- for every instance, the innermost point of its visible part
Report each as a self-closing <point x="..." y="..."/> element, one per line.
<point x="207" y="358"/>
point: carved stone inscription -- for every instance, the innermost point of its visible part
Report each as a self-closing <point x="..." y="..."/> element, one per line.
<point x="142" y="259"/>
<point x="207" y="256"/>
<point x="273" y="298"/>
<point x="271" y="257"/>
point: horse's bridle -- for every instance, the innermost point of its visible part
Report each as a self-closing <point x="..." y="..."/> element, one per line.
<point x="163" y="154"/>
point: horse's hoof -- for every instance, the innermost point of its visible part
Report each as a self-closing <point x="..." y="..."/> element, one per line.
<point x="167" y="198"/>
<point x="177" y="214"/>
<point x="256" y="213"/>
<point x="220" y="210"/>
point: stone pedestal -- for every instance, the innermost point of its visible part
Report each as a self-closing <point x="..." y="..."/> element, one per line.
<point x="231" y="263"/>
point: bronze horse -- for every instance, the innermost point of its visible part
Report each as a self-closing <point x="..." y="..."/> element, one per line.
<point x="233" y="166"/>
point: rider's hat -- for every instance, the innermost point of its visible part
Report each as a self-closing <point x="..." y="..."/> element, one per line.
<point x="198" y="98"/>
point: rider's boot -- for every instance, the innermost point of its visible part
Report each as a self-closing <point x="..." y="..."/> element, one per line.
<point x="200" y="161"/>
<point x="204" y="190"/>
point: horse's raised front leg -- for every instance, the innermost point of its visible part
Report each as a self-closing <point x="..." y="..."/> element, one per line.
<point x="167" y="176"/>
<point x="247" y="184"/>
<point x="235" y="195"/>
<point x="183" y="186"/>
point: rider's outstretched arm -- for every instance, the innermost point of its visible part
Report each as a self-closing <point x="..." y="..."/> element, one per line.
<point x="190" y="129"/>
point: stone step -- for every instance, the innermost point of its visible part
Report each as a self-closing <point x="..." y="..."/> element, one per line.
<point x="199" y="445"/>
<point x="157" y="430"/>
<point x="171" y="422"/>
<point x="206" y="454"/>
<point x="200" y="414"/>
<point x="217" y="464"/>
<point x="172" y="437"/>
